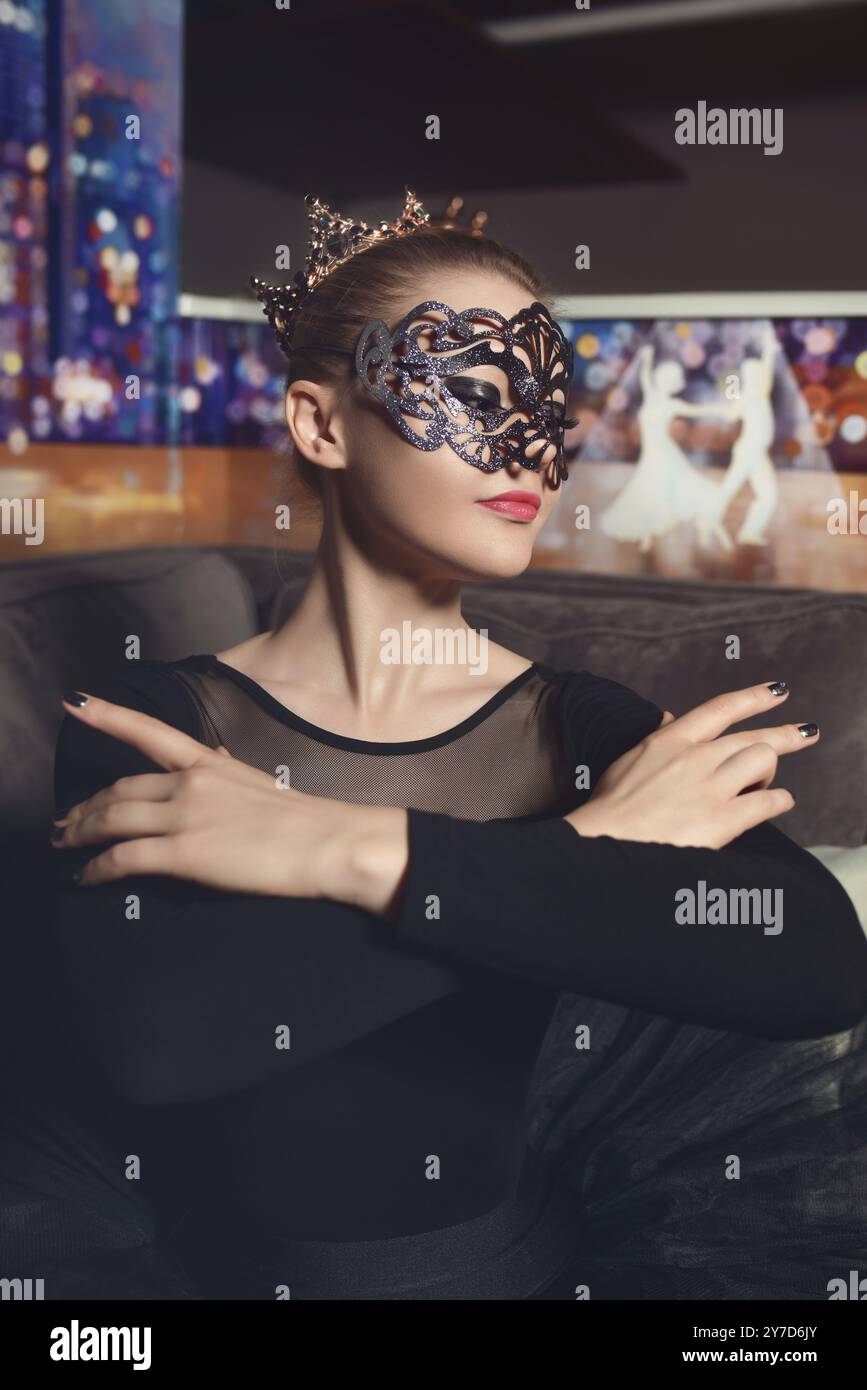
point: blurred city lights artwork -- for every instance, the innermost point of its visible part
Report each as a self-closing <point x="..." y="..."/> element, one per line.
<point x="90" y="171"/>
<point x="228" y="385"/>
<point x="25" y="159"/>
<point x="91" y="346"/>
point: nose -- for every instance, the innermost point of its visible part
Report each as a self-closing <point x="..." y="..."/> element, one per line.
<point x="541" y="453"/>
<point x="516" y="471"/>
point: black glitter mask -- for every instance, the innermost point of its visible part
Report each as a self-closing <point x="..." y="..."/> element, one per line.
<point x="466" y="412"/>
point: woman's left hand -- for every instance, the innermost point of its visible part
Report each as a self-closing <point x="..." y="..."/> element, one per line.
<point x="216" y="821"/>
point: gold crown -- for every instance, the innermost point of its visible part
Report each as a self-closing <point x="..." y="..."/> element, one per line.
<point x="333" y="240"/>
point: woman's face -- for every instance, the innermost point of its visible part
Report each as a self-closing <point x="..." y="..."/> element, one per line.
<point x="431" y="511"/>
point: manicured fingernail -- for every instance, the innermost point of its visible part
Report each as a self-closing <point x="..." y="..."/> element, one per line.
<point x="778" y="688"/>
<point x="57" y="835"/>
<point x="808" y="730"/>
<point x="62" y="814"/>
<point x="75" y="697"/>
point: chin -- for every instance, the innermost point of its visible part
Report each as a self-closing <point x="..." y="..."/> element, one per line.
<point x="505" y="560"/>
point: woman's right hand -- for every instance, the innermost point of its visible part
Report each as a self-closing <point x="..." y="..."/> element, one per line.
<point x="689" y="783"/>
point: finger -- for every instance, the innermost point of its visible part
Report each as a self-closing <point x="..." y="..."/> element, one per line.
<point x="224" y="751"/>
<point x="709" y="720"/>
<point x="157" y="786"/>
<point x="754" y="808"/>
<point x="783" y="738"/>
<point x="755" y="766"/>
<point x="154" y="855"/>
<point x="122" y="820"/>
<point x="667" y="718"/>
<point x="148" y="786"/>
<point x="164" y="787"/>
<point x="161" y="743"/>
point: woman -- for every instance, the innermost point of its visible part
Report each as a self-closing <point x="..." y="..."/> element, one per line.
<point x="751" y="460"/>
<point x="329" y="898"/>
<point x="665" y="488"/>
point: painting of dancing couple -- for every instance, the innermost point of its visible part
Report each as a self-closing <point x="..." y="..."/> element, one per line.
<point x="710" y="437"/>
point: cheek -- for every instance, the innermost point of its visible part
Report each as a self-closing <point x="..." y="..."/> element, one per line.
<point x="428" y="497"/>
<point x="395" y="478"/>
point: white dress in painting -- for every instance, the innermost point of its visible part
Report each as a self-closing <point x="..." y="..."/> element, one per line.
<point x="665" y="488"/>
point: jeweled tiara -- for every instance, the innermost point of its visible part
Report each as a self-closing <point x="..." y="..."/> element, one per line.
<point x="333" y="240"/>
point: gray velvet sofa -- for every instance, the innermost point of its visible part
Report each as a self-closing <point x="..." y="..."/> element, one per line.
<point x="645" y="1119"/>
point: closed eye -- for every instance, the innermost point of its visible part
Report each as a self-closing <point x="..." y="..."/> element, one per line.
<point x="474" y="390"/>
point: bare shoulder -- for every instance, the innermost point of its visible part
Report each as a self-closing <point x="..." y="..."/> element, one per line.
<point x="504" y="665"/>
<point x="243" y="655"/>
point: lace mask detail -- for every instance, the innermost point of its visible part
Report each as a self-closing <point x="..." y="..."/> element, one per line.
<point x="466" y="412"/>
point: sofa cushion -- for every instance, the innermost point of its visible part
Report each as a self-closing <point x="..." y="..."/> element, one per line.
<point x="64" y="619"/>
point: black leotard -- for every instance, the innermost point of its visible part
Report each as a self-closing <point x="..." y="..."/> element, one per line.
<point x="412" y="1042"/>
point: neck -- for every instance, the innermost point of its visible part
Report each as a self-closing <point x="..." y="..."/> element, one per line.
<point x="355" y="598"/>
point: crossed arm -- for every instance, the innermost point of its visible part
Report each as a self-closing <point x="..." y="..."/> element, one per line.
<point x="584" y="902"/>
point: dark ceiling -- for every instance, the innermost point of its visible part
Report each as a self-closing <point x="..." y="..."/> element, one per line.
<point x="346" y="85"/>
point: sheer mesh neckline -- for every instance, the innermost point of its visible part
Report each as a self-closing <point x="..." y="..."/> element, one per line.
<point x="418" y="745"/>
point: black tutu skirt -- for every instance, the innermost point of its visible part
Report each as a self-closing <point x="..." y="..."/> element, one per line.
<point x="705" y="1165"/>
<point x="701" y="1165"/>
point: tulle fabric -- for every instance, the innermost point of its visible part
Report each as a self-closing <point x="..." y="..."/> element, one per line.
<point x="644" y="1124"/>
<point x="648" y="1121"/>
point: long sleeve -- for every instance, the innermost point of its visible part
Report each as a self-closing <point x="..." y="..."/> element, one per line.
<point x="599" y="916"/>
<point x="184" y="1002"/>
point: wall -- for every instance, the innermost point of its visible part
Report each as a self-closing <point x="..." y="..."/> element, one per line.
<point x="739" y="220"/>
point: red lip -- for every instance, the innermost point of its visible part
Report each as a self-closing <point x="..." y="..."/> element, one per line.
<point x="517" y="496"/>
<point x="520" y="506"/>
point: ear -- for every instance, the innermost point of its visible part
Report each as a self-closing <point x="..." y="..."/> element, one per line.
<point x="313" y="425"/>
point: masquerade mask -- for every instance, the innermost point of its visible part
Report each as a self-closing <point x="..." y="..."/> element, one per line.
<point x="467" y="412"/>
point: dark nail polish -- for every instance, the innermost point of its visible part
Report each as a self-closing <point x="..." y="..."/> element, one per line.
<point x="57" y="835"/>
<point x="808" y="730"/>
<point x="61" y="814"/>
<point x="75" y="697"/>
<point x="778" y="688"/>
